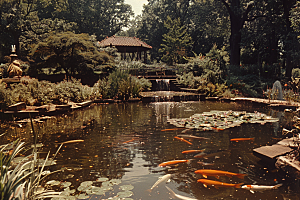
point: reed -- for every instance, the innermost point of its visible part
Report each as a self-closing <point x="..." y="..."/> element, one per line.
<point x="23" y="181"/>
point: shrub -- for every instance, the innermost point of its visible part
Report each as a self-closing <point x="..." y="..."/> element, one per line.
<point x="123" y="85"/>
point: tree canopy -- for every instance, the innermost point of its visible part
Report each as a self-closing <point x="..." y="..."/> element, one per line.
<point x="176" y="43"/>
<point x="70" y="52"/>
<point x="263" y="33"/>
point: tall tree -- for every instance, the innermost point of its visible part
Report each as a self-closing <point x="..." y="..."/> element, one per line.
<point x="239" y="14"/>
<point x="205" y="21"/>
<point x="291" y="42"/>
<point x="176" y="43"/>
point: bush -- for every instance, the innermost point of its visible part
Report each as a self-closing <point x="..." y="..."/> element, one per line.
<point x="123" y="85"/>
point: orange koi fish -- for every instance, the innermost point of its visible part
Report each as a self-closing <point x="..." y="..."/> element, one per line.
<point x="217" y="129"/>
<point x="218" y="173"/>
<point x="129" y="141"/>
<point x="172" y="129"/>
<point x="241" y="139"/>
<point x="72" y="141"/>
<point x="218" y="184"/>
<point x="193" y="151"/>
<point x="183" y="140"/>
<point x="173" y="162"/>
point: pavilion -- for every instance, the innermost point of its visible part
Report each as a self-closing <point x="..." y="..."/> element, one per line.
<point x="131" y="46"/>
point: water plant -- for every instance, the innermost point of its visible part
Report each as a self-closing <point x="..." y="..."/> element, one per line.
<point x="22" y="179"/>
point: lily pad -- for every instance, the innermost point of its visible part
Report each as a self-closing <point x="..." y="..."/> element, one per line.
<point x="65" y="184"/>
<point x="86" y="183"/>
<point x="115" y="181"/>
<point x="125" y="194"/>
<point x="68" y="192"/>
<point x="96" y="191"/>
<point x="82" y="196"/>
<point x="53" y="183"/>
<point x="112" y="182"/>
<point x="208" y="121"/>
<point x="84" y="188"/>
<point x="126" y="187"/>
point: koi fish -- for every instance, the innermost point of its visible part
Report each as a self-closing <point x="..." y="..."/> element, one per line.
<point x="173" y="162"/>
<point x="217" y="154"/>
<point x="205" y="164"/>
<point x="193" y="151"/>
<point x="183" y="140"/>
<point x="72" y="141"/>
<point x="217" y="129"/>
<point x="129" y="141"/>
<point x="200" y="155"/>
<point x="260" y="188"/>
<point x="218" y="184"/>
<point x="191" y="137"/>
<point x="160" y="180"/>
<point x="241" y="139"/>
<point x="172" y="129"/>
<point x="177" y="196"/>
<point x="218" y="173"/>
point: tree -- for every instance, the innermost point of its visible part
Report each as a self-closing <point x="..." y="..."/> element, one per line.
<point x="102" y="17"/>
<point x="176" y="42"/>
<point x="206" y="22"/>
<point x="238" y="16"/>
<point x="39" y="30"/>
<point x="73" y="53"/>
<point x="15" y="16"/>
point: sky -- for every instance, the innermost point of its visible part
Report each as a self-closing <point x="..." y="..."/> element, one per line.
<point x="137" y="5"/>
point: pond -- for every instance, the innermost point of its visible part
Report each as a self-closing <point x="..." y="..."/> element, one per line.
<point x="124" y="144"/>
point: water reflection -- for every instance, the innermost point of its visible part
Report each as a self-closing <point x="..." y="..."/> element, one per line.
<point x="125" y="141"/>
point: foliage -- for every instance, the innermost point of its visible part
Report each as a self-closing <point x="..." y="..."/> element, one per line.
<point x="202" y="70"/>
<point x="176" y="42"/>
<point x="72" y="90"/>
<point x="22" y="180"/>
<point x="101" y="88"/>
<point x="123" y="85"/>
<point x="73" y="53"/>
<point x="119" y="84"/>
<point x="245" y="79"/>
<point x="206" y="23"/>
<point x="102" y="18"/>
<point x="212" y="90"/>
<point x="296" y="73"/>
<point x="40" y="30"/>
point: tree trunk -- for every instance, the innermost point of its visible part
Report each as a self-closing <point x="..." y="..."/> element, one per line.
<point x="235" y="53"/>
<point x="289" y="64"/>
<point x="237" y="20"/>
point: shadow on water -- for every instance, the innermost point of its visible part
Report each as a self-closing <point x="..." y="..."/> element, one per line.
<point x="125" y="142"/>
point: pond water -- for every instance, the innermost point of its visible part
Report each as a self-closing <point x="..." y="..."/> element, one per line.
<point x="124" y="143"/>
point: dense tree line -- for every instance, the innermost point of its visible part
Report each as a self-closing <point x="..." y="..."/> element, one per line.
<point x="263" y="33"/>
<point x="254" y="32"/>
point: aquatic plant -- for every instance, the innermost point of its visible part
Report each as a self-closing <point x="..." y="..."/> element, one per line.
<point x="123" y="85"/>
<point x="220" y="120"/>
<point x="22" y="179"/>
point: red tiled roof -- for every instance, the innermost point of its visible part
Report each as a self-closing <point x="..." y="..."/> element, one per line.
<point x="123" y="41"/>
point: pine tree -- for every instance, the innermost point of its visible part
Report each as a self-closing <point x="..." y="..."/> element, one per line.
<point x="176" y="42"/>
